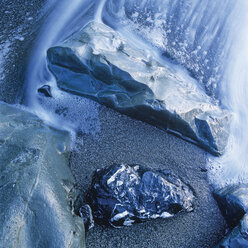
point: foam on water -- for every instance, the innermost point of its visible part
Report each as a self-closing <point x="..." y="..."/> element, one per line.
<point x="232" y="167"/>
<point x="193" y="33"/>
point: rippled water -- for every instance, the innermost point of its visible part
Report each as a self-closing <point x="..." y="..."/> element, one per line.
<point x="208" y="38"/>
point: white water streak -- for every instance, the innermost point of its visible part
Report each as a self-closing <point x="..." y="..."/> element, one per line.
<point x="63" y="20"/>
<point x="233" y="166"/>
<point x="98" y="15"/>
<point x="56" y="21"/>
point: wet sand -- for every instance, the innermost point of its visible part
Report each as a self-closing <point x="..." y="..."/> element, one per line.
<point x="20" y="23"/>
<point x="126" y="140"/>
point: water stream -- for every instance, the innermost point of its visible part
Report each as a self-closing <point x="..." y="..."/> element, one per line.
<point x="208" y="38"/>
<point x="63" y="111"/>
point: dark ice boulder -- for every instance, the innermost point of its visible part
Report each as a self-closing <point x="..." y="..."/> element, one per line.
<point x="98" y="63"/>
<point x="121" y="195"/>
<point x="36" y="185"/>
<point x="233" y="202"/>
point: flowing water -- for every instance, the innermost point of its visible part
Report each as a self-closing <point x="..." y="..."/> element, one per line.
<point x="208" y="38"/>
<point x="63" y="111"/>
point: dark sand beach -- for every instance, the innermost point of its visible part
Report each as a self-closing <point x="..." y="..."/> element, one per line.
<point x="126" y="140"/>
<point x="20" y="24"/>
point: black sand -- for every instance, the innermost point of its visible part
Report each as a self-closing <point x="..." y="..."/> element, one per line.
<point x="123" y="139"/>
